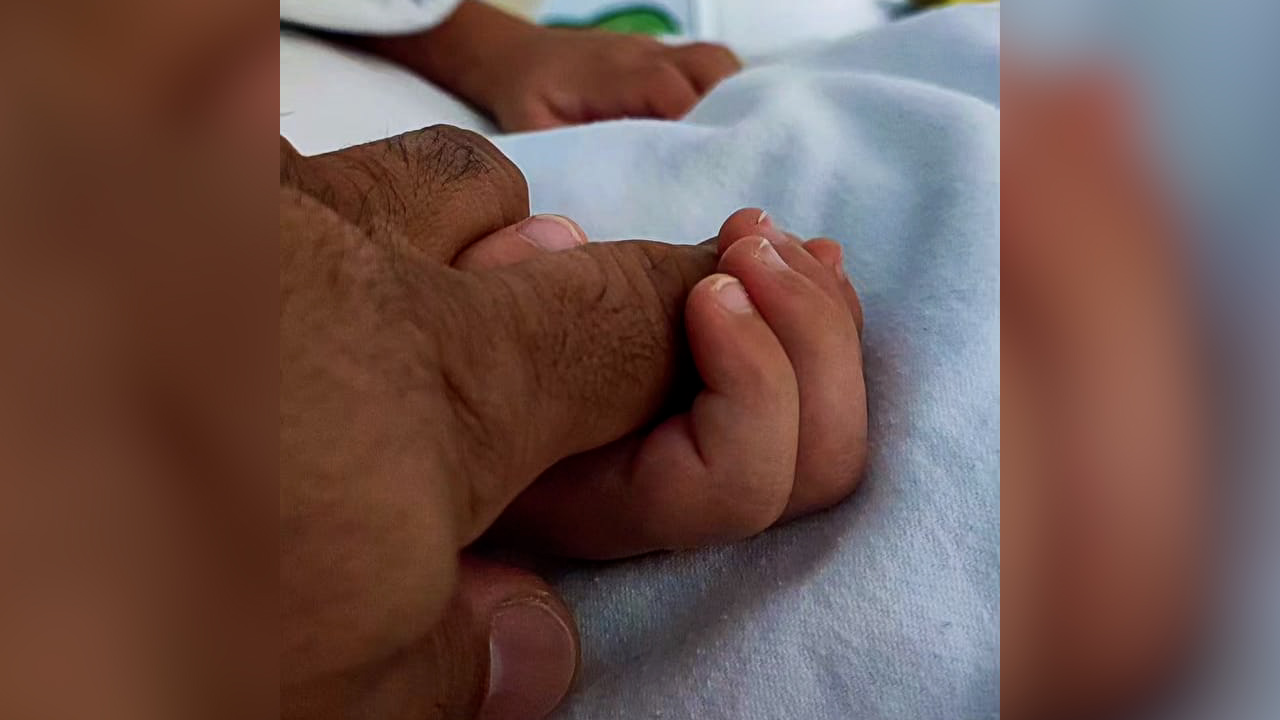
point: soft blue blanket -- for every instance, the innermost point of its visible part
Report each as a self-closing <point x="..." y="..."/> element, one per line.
<point x="888" y="605"/>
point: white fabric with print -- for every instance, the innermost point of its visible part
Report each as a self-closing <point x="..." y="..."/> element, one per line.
<point x="367" y="16"/>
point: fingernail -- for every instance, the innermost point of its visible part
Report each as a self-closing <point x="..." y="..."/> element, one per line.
<point x="532" y="658"/>
<point x="764" y="220"/>
<point x="765" y="252"/>
<point x="732" y="296"/>
<point x="551" y="232"/>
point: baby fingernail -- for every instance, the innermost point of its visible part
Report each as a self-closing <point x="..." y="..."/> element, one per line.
<point x="732" y="296"/>
<point x="551" y="232"/>
<point x="532" y="659"/>
<point x="764" y="220"/>
<point x="765" y="252"/>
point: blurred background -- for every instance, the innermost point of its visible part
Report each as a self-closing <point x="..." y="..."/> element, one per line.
<point x="1201" y="79"/>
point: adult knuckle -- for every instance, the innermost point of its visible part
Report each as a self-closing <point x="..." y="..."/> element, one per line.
<point x="408" y="184"/>
<point x="637" y="290"/>
<point x="653" y="268"/>
<point x="430" y="189"/>
<point x="660" y="276"/>
<point x="446" y="156"/>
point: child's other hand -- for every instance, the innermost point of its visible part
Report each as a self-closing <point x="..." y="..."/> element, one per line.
<point x="529" y="77"/>
<point x="778" y="430"/>
<point x="557" y="77"/>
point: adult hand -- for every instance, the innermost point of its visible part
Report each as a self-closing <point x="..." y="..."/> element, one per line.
<point x="418" y="399"/>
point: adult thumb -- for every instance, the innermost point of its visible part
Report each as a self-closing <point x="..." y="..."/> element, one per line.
<point x="528" y="635"/>
<point x="506" y="648"/>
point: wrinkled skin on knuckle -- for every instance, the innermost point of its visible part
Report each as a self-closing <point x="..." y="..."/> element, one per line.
<point x="414" y="186"/>
<point x="669" y="271"/>
<point x="606" y="293"/>
<point x="441" y="157"/>
<point x="637" y="289"/>
<point x="600" y="329"/>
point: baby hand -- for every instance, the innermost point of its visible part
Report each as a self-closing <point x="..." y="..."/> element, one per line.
<point x="560" y="77"/>
<point x="778" y="430"/>
<point x="529" y="77"/>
